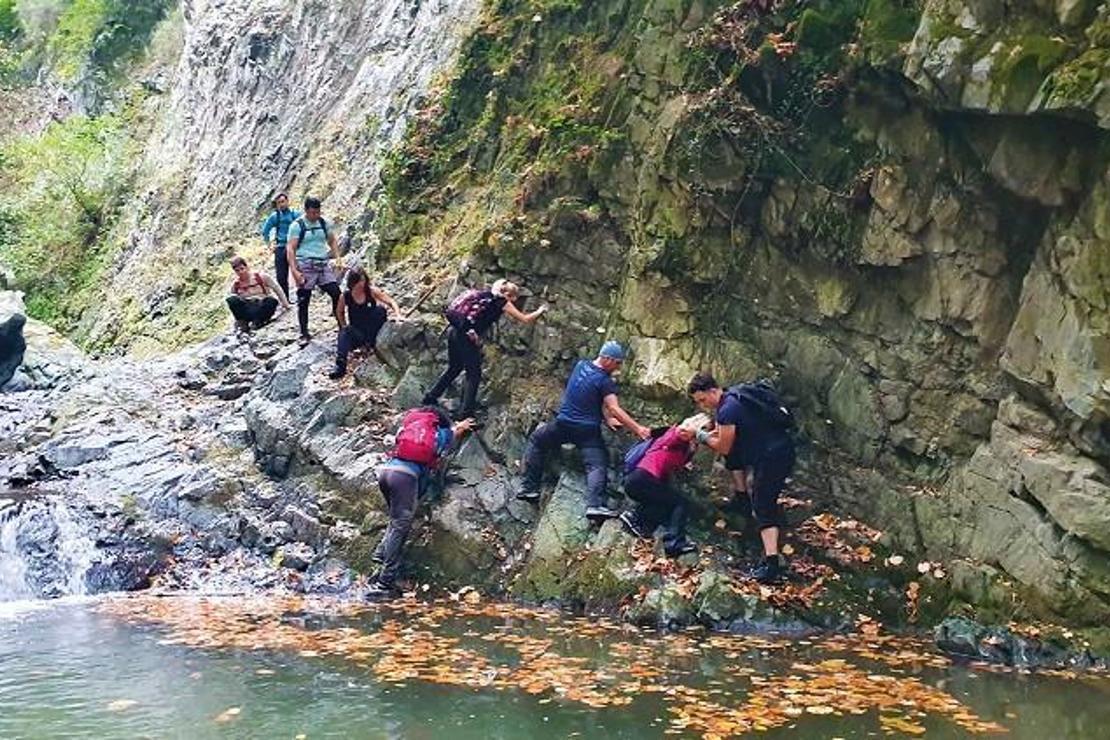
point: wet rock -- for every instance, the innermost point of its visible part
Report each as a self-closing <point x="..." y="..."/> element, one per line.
<point x="967" y="638"/>
<point x="273" y="535"/>
<point x="297" y="555"/>
<point x="304" y="526"/>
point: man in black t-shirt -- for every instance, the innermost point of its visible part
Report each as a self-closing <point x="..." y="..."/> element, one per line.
<point x="759" y="456"/>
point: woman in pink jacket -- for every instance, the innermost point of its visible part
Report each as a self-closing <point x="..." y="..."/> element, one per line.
<point x="658" y="502"/>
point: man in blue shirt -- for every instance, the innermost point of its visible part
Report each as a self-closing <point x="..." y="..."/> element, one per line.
<point x="590" y="397"/>
<point x="760" y="457"/>
<point x="277" y="224"/>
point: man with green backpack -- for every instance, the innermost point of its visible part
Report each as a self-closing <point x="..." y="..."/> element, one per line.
<point x="754" y="435"/>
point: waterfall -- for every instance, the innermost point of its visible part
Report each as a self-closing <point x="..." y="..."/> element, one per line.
<point x="44" y="551"/>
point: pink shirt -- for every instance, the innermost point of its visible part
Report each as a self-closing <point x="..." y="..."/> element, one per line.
<point x="667" y="455"/>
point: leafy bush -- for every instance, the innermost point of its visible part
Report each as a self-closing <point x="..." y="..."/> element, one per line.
<point x="59" y="198"/>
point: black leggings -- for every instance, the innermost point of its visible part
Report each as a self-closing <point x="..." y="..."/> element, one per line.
<point x="257" y="310"/>
<point x="462" y="354"/>
<point x="304" y="296"/>
<point x="360" y="335"/>
<point x="658" y="503"/>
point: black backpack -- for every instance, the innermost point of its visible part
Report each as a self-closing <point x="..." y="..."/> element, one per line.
<point x="323" y="225"/>
<point x="760" y="395"/>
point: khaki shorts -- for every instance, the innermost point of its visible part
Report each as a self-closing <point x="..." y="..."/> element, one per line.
<point x="316" y="273"/>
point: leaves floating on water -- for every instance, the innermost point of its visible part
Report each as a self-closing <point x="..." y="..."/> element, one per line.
<point x="228" y="714"/>
<point x="754" y="683"/>
<point x="121" y="705"/>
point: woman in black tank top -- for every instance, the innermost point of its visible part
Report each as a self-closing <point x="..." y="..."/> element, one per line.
<point x="361" y="313"/>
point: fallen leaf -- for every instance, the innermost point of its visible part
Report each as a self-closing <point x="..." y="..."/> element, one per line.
<point x="787" y="549"/>
<point x="820" y="709"/>
<point x="924" y="567"/>
<point x="121" y="705"/>
<point x="228" y="714"/>
<point x="720" y="524"/>
<point x="895" y="560"/>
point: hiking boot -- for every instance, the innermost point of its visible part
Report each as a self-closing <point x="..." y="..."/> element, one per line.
<point x="601" y="512"/>
<point x="338" y="372"/>
<point x="377" y="590"/>
<point x="769" y="571"/>
<point x="628" y="519"/>
<point x="303" y="341"/>
<point x="524" y="495"/>
<point x="258" y="324"/>
<point x="683" y="548"/>
<point x="242" y="327"/>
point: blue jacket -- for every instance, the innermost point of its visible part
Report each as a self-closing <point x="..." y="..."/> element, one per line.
<point x="279" y="220"/>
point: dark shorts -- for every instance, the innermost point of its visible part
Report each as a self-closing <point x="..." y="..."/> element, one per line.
<point x="769" y="476"/>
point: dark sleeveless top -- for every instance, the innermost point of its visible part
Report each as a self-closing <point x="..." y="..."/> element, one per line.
<point x="361" y="315"/>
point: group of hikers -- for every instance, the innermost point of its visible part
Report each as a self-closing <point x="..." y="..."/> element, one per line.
<point x="746" y="425"/>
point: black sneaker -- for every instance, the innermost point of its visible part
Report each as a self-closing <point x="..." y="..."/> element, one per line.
<point x="528" y="495"/>
<point x="686" y="548"/>
<point x="378" y="590"/>
<point x="337" y="373"/>
<point x="769" y="571"/>
<point x="601" y="512"/>
<point x="628" y="519"/>
<point x="303" y="340"/>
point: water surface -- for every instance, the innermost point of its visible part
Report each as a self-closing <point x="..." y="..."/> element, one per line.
<point x="270" y="668"/>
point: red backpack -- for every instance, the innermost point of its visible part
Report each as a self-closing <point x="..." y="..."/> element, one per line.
<point x="416" y="441"/>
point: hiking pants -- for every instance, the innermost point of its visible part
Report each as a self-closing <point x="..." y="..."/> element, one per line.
<point x="658" y="503"/>
<point x="281" y="269"/>
<point x="257" y="310"/>
<point x="462" y="354"/>
<point x="304" y="295"/>
<point x="363" y="335"/>
<point x="587" y="439"/>
<point x="401" y="490"/>
<point x="768" y="479"/>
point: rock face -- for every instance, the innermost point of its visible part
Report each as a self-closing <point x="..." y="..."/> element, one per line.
<point x="920" y="259"/>
<point x="298" y="96"/>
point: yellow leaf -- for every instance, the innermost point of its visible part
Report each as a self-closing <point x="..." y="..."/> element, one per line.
<point x="228" y="714"/>
<point x="787" y="549"/>
<point x="820" y="709"/>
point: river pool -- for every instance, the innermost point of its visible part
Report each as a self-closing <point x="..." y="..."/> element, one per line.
<point x="193" y="667"/>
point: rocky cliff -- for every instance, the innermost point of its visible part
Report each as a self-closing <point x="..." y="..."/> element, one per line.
<point x="897" y="209"/>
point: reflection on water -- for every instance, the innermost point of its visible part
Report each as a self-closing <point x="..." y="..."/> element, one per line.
<point x="190" y="667"/>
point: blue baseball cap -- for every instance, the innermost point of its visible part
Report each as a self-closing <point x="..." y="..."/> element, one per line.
<point x="613" y="350"/>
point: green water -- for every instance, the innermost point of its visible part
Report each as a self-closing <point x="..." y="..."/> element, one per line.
<point x="74" y="669"/>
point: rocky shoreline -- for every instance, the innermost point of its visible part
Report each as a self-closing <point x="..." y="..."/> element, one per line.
<point x="236" y="466"/>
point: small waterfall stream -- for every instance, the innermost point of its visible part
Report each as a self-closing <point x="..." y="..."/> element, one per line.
<point x="44" y="551"/>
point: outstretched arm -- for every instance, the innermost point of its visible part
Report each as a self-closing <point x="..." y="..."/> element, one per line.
<point x="291" y="257"/>
<point x="611" y="408"/>
<point x="341" y="311"/>
<point x="272" y="287"/>
<point x="382" y="297"/>
<point x="525" y="318"/>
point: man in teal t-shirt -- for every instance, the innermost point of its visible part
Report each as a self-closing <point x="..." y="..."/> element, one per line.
<point x="309" y="246"/>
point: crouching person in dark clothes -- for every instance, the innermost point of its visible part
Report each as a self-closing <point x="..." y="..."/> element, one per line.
<point x="425" y="435"/>
<point x="650" y="485"/>
<point x="253" y="297"/>
<point x="753" y="433"/>
<point x="361" y="313"/>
